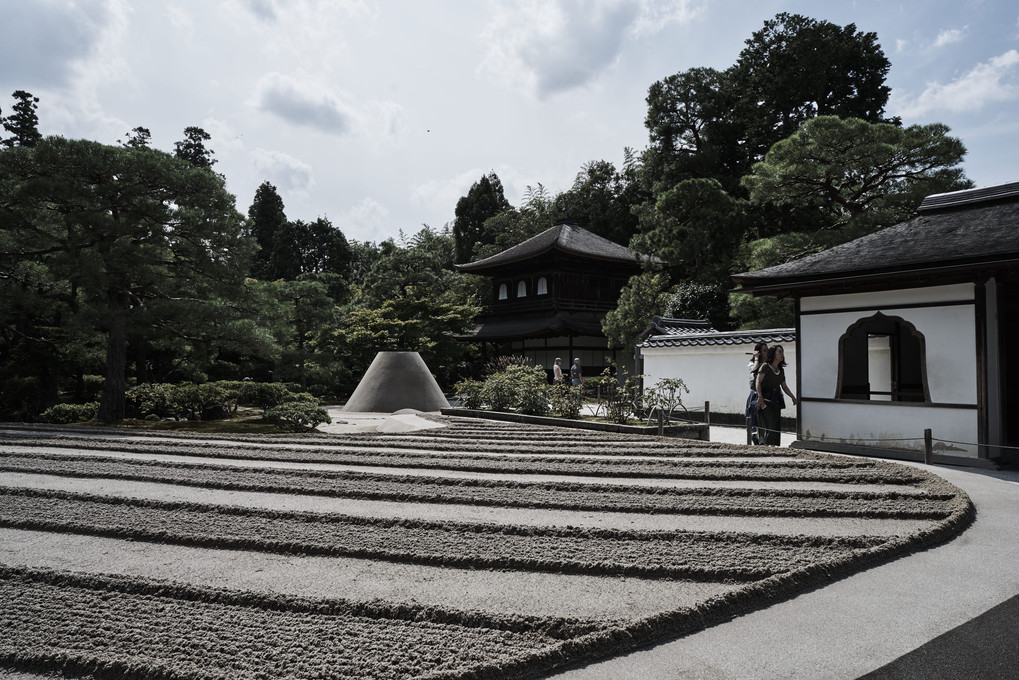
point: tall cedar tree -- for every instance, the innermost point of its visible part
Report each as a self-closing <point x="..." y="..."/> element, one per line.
<point x="23" y="124"/>
<point x="266" y="217"/>
<point x="192" y="148"/>
<point x="485" y="199"/>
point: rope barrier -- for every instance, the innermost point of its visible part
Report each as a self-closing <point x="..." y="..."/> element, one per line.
<point x="761" y="429"/>
<point x="989" y="446"/>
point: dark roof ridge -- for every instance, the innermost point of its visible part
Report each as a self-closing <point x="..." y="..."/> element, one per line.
<point x="721" y="338"/>
<point x="952" y="199"/>
<point x="565" y="236"/>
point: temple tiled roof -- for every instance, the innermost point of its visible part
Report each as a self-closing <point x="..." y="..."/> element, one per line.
<point x="568" y="238"/>
<point x="971" y="229"/>
<point x="770" y="336"/>
<point x="661" y="325"/>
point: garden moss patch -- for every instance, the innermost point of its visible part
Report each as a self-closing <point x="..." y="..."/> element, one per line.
<point x="138" y="627"/>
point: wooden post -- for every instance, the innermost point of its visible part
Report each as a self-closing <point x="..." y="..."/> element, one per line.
<point x="928" y="449"/>
<point x="661" y="422"/>
<point x="707" y="413"/>
<point x="750" y="433"/>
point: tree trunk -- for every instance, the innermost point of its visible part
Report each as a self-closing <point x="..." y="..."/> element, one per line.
<point x="112" y="406"/>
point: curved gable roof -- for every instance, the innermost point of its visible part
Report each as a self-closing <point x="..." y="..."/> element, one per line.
<point x="568" y="238"/>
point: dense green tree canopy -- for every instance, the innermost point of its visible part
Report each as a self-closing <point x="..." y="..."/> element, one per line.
<point x="706" y="123"/>
<point x="695" y="227"/>
<point x="796" y="68"/>
<point x="870" y="173"/>
<point x="646" y="295"/>
<point x="139" y="241"/>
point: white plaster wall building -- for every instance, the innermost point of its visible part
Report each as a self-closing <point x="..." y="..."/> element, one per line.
<point x="910" y="329"/>
<point x="712" y="364"/>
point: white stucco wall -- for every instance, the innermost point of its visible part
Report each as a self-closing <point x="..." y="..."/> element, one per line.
<point x="949" y="332"/>
<point x="715" y="373"/>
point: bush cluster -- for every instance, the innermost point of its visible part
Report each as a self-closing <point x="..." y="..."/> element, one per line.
<point x="63" y="414"/>
<point x="281" y="404"/>
<point x="298" y="415"/>
<point x="513" y="386"/>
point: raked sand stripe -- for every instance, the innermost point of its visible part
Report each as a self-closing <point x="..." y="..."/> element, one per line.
<point x="782" y="526"/>
<point x="504" y="592"/>
<point x="457" y="474"/>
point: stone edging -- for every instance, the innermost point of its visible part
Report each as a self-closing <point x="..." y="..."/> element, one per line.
<point x="685" y="431"/>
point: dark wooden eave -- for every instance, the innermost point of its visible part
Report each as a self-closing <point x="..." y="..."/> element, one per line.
<point x="954" y="237"/>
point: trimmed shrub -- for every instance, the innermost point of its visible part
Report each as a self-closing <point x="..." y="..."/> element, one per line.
<point x="499" y="392"/>
<point x="297" y="416"/>
<point x="63" y="414"/>
<point x="207" y="401"/>
<point x="263" y="395"/>
<point x="186" y="401"/>
<point x="156" y="399"/>
<point x="469" y="392"/>
<point x="563" y="401"/>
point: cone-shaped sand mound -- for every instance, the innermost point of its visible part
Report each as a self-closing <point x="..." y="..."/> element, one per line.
<point x="394" y="381"/>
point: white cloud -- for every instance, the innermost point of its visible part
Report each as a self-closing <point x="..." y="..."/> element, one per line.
<point x="182" y="21"/>
<point x="442" y="194"/>
<point x="309" y="103"/>
<point x="901" y="45"/>
<point x="550" y="47"/>
<point x="303" y="103"/>
<point x="949" y="36"/>
<point x="225" y="138"/>
<point x="992" y="81"/>
<point x="49" y="38"/>
<point x="367" y="221"/>
<point x="293" y="176"/>
<point x="657" y="16"/>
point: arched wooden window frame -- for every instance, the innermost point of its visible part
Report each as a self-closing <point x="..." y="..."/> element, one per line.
<point x="503" y="291"/>
<point x="880" y="319"/>
<point x="542" y="287"/>
<point x="522" y="289"/>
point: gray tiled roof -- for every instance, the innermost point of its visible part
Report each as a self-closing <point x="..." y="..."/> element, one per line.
<point x="565" y="237"/>
<point x="661" y="325"/>
<point x="977" y="227"/>
<point x="753" y="337"/>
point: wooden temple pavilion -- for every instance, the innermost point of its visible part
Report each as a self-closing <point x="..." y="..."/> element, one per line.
<point x="550" y="295"/>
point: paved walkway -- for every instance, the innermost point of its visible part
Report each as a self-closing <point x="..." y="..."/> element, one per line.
<point x="948" y="612"/>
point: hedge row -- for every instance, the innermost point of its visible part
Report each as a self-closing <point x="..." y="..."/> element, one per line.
<point x="699" y="556"/>
<point x="904" y="504"/>
<point x="847" y="471"/>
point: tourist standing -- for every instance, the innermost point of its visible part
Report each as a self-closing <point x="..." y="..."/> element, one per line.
<point x="557" y="372"/>
<point x="577" y="378"/>
<point x="756" y="361"/>
<point x="770" y="385"/>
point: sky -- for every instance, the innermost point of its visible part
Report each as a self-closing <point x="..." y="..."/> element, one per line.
<point x="380" y="115"/>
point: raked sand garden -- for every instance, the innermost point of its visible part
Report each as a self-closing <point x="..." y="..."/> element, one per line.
<point x="474" y="550"/>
